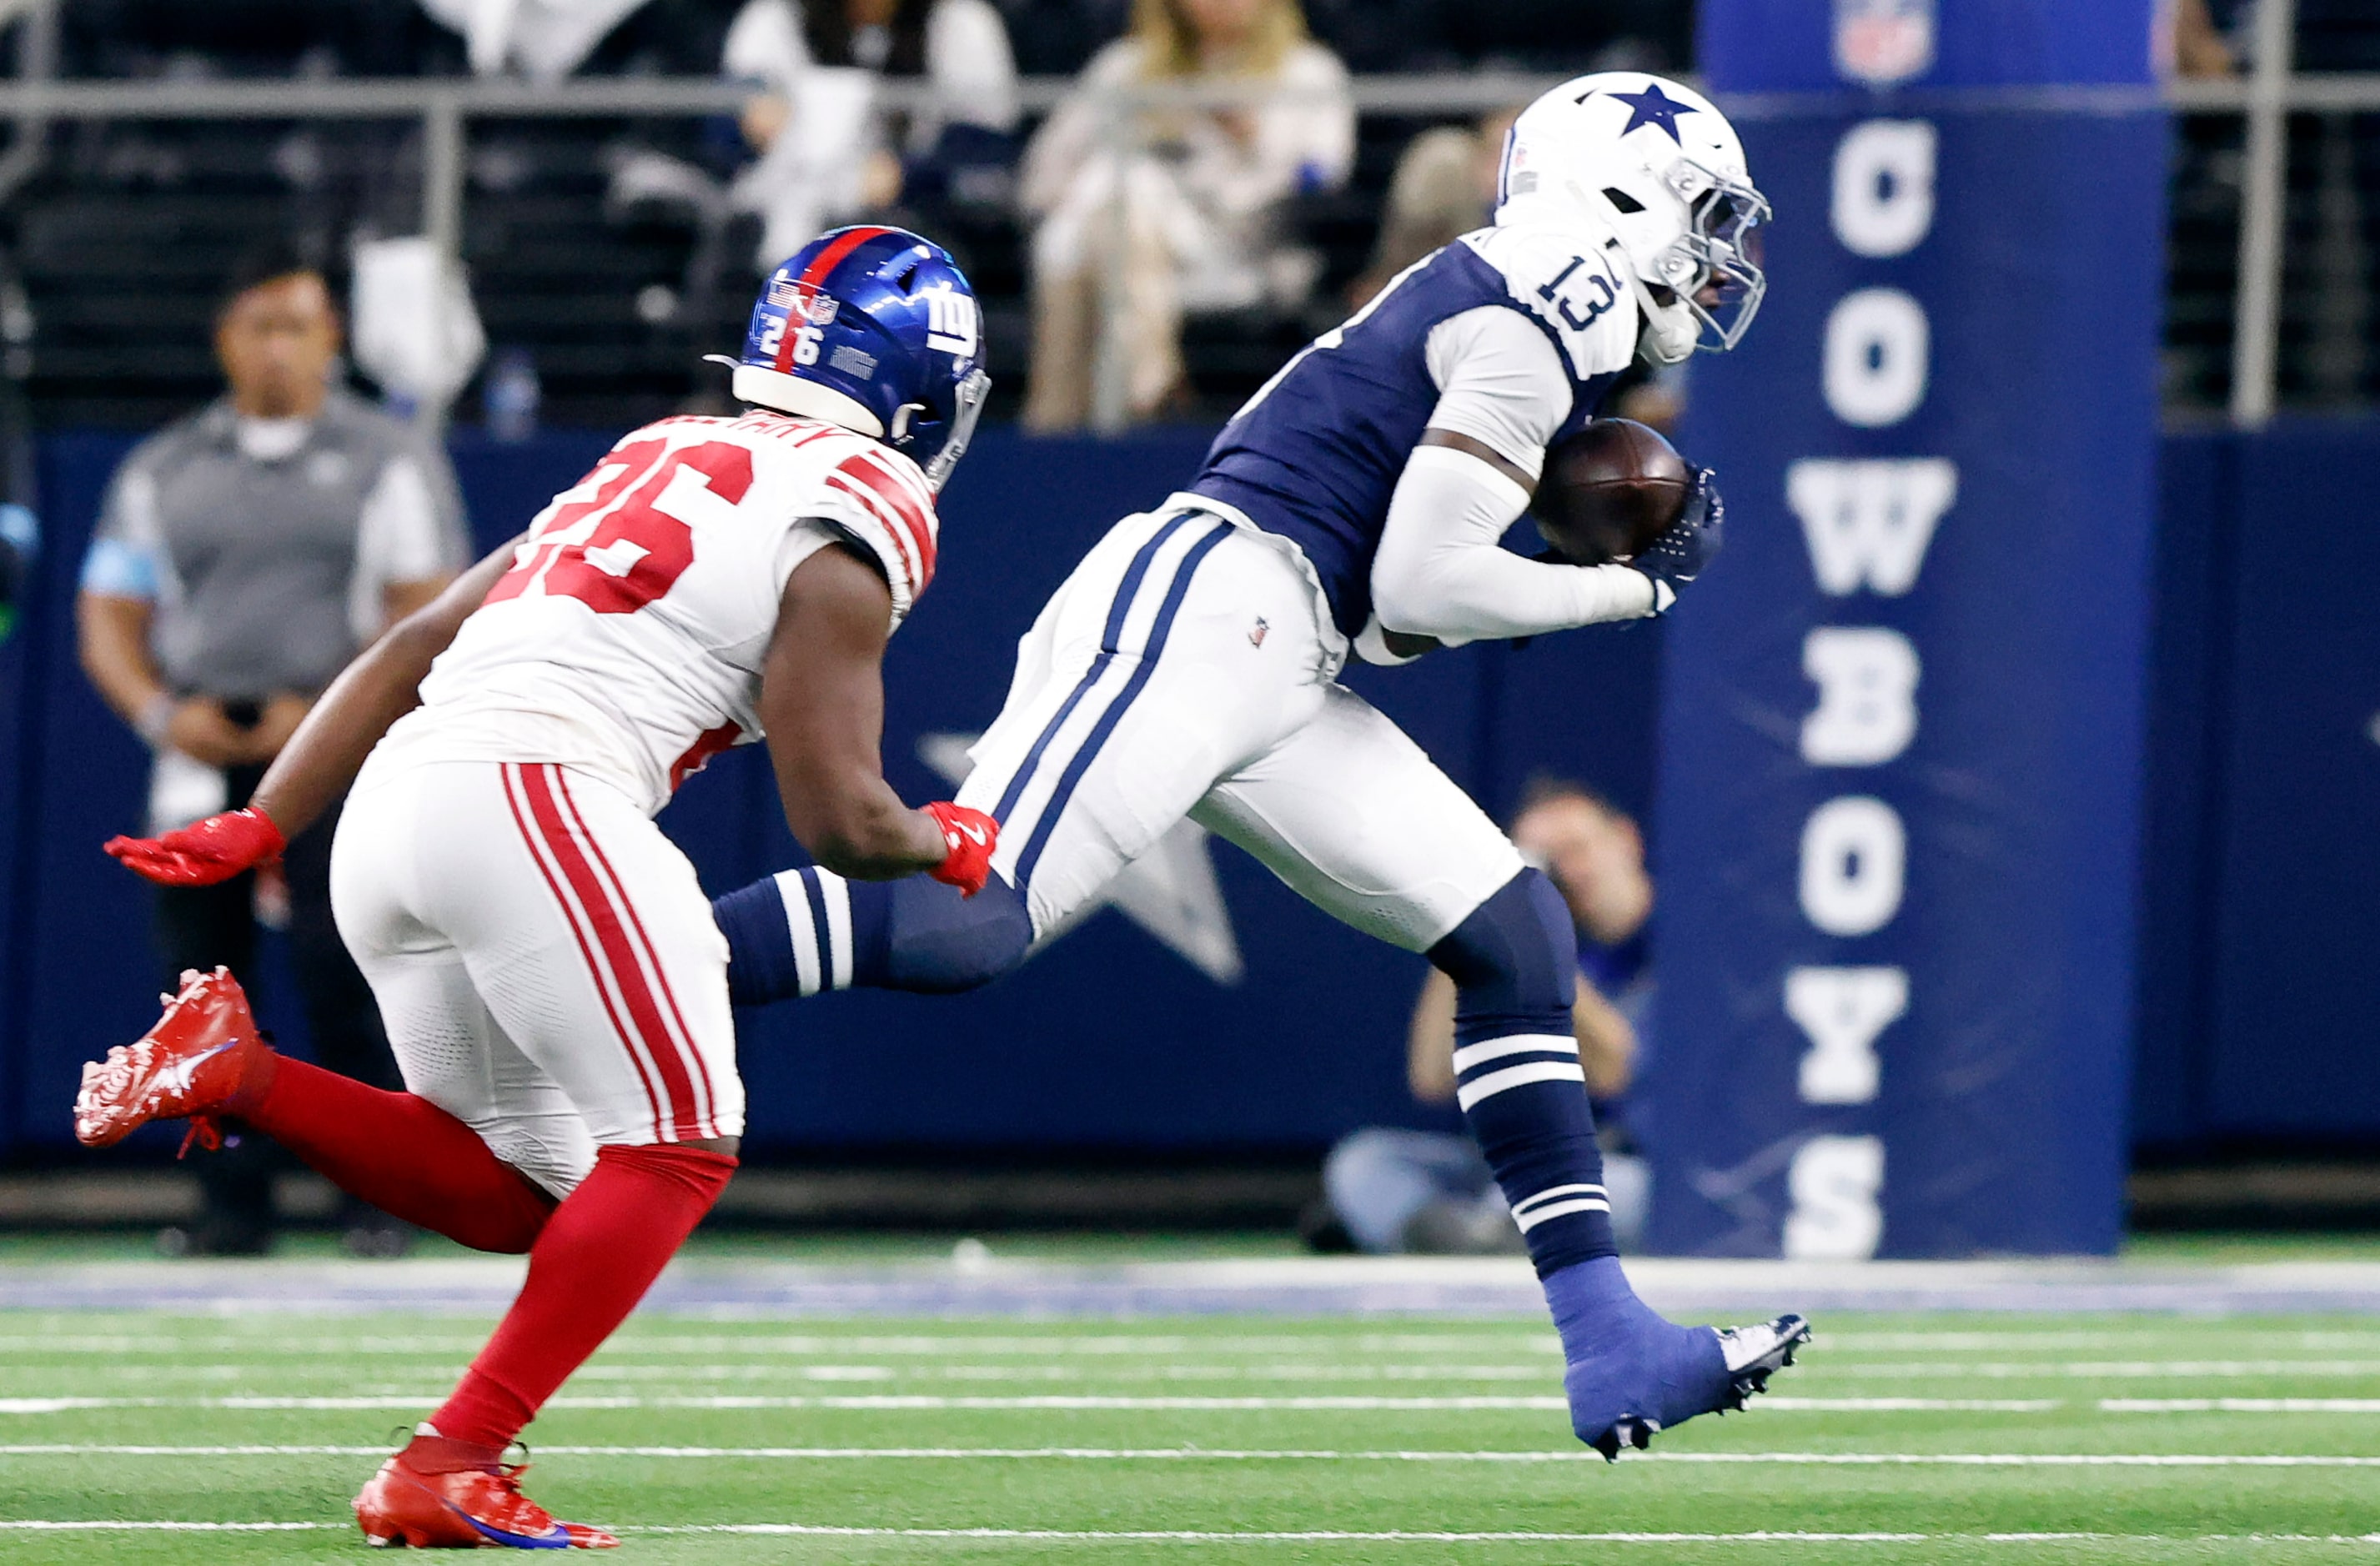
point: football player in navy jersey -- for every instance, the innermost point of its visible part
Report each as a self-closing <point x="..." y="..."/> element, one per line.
<point x="1189" y="667"/>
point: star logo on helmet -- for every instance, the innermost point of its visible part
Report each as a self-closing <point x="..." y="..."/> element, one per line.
<point x="1653" y="107"/>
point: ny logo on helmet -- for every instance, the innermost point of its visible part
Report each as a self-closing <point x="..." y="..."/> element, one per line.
<point x="951" y="323"/>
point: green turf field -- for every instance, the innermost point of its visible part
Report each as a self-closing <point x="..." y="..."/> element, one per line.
<point x="1210" y="1440"/>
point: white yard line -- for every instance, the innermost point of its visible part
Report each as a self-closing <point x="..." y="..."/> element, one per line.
<point x="894" y="1401"/>
<point x="1312" y="1535"/>
<point x="107" y="1449"/>
<point x="897" y="1403"/>
<point x="795" y="1345"/>
<point x="2239" y="1406"/>
<point x="1318" y="1535"/>
<point x="602" y="1370"/>
<point x="612" y="1368"/>
<point x="763" y="1401"/>
<point x="1951" y="1341"/>
<point x="621" y="1365"/>
<point x="2108" y="1369"/>
<point x="29" y="1525"/>
<point x="1225" y="1454"/>
<point x="1788" y="1404"/>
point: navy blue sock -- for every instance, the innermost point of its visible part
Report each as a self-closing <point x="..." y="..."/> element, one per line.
<point x="1621" y="1358"/>
<point x="803" y="931"/>
<point x="1514" y="963"/>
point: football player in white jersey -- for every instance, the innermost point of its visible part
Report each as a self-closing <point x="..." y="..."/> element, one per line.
<point x="552" y="982"/>
<point x="1189" y="667"/>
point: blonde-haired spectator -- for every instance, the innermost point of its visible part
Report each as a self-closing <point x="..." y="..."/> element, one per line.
<point x="1444" y="187"/>
<point x="1181" y="216"/>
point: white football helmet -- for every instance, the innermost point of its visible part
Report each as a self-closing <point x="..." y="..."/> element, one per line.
<point x="1651" y="169"/>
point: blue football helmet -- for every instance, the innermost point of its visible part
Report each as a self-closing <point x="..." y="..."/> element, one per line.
<point x="876" y="330"/>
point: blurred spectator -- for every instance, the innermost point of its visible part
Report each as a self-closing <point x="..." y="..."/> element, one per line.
<point x="1654" y="394"/>
<point x="1444" y="187"/>
<point x="826" y="153"/>
<point x="243" y="556"/>
<point x="21" y="537"/>
<point x="1182" y="218"/>
<point x="544" y="40"/>
<point x="1425" y="1191"/>
<point x="2199" y="49"/>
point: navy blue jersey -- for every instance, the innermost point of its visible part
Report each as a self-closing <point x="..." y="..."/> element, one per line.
<point x="1316" y="455"/>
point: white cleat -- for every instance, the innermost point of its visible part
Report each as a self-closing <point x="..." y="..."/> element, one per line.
<point x="1755" y="1354"/>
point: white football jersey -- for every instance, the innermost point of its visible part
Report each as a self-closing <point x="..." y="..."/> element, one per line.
<point x="628" y="636"/>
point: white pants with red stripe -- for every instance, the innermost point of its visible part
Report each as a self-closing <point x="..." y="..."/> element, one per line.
<point x="544" y="959"/>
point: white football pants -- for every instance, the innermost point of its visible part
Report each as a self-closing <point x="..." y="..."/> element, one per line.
<point x="1185" y="669"/>
<point x="544" y="959"/>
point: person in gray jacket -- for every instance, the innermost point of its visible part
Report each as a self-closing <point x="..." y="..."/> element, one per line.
<point x="243" y="556"/>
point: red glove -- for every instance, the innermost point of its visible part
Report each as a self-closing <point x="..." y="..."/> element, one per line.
<point x="205" y="852"/>
<point x="971" y="836"/>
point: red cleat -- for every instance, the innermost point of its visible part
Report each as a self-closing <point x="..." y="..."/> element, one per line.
<point x="468" y="1509"/>
<point x="202" y="1057"/>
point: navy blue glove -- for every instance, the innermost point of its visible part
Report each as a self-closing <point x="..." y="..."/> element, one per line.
<point x="1685" y="546"/>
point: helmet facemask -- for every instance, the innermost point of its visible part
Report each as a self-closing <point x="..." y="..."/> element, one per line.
<point x="1718" y="255"/>
<point x="967" y="397"/>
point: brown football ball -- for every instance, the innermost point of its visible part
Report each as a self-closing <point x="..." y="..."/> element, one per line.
<point x="1609" y="490"/>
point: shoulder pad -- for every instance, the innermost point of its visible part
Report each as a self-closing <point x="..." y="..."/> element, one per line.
<point x="880" y="500"/>
<point x="1581" y="299"/>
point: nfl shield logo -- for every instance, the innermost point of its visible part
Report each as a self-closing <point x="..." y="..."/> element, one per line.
<point x="1884" y="41"/>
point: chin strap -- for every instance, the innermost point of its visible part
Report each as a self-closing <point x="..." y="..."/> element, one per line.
<point x="1670" y="333"/>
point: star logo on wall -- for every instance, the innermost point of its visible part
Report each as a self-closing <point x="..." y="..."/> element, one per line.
<point x="1653" y="107"/>
<point x="1171" y="892"/>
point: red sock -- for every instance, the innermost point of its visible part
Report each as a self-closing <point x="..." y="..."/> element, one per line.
<point x="600" y="1252"/>
<point x="404" y="1155"/>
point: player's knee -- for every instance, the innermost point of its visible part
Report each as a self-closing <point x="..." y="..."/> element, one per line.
<point x="552" y="1170"/>
<point x="1515" y="958"/>
<point x="943" y="943"/>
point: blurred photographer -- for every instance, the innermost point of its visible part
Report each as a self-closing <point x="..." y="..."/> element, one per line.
<point x="243" y="556"/>
<point x="1429" y="1192"/>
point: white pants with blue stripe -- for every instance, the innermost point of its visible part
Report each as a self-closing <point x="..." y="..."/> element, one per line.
<point x="1188" y="668"/>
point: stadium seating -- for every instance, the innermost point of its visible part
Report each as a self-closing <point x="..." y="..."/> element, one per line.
<point x="127" y="227"/>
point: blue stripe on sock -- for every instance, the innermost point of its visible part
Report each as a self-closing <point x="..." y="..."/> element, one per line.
<point x="1122" y="704"/>
<point x="817" y="895"/>
<point x="1117" y="613"/>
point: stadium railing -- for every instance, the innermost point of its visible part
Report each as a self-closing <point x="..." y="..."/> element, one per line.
<point x="2261" y="103"/>
<point x="445" y="108"/>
